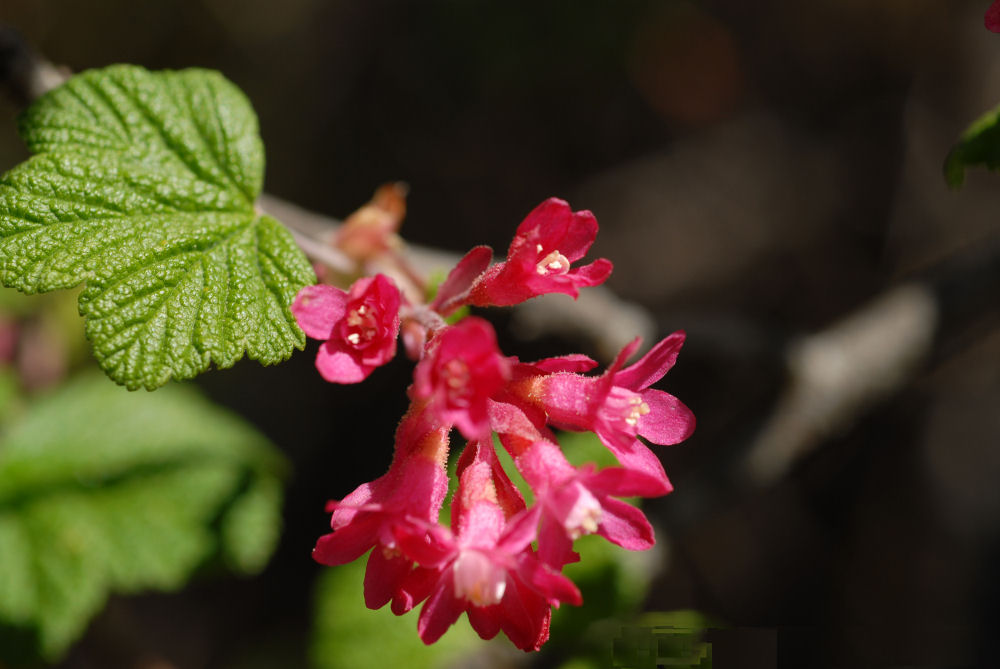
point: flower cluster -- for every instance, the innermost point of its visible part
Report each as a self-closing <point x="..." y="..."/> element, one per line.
<point x="500" y="561"/>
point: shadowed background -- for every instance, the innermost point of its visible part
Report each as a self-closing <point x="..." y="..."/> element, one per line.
<point x="760" y="170"/>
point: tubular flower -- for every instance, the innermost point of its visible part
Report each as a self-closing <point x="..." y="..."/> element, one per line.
<point x="574" y="501"/>
<point x="359" y="326"/>
<point x="486" y="568"/>
<point x="540" y="258"/>
<point x="404" y="499"/>
<point x="619" y="405"/>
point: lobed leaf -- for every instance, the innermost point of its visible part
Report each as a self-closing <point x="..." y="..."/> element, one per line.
<point x="143" y="189"/>
<point x="106" y="491"/>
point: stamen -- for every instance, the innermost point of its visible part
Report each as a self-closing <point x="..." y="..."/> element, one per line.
<point x="477" y="579"/>
<point x="584" y="517"/>
<point x="636" y="408"/>
<point x="360" y="326"/>
<point x="553" y="263"/>
<point x="456" y="379"/>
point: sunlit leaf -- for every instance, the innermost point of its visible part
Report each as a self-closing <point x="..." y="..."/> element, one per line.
<point x="143" y="190"/>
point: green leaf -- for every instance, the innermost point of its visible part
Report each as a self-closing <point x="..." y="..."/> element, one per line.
<point x="104" y="491"/>
<point x="978" y="145"/>
<point x="143" y="189"/>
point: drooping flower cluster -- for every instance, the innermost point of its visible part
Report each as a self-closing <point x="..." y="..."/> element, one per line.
<point x="500" y="561"/>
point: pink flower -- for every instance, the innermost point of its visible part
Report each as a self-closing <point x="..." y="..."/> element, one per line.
<point x="619" y="405"/>
<point x="359" y="327"/>
<point x="992" y="18"/>
<point x="539" y="260"/>
<point x="574" y="501"/>
<point x="486" y="569"/>
<point x="402" y="501"/>
<point x="461" y="370"/>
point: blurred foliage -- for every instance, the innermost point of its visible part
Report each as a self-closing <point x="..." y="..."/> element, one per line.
<point x="102" y="490"/>
<point x="978" y="145"/>
<point x="668" y="638"/>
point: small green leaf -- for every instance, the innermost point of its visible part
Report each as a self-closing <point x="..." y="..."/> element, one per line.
<point x="978" y="145"/>
<point x="103" y="490"/>
<point x="143" y="189"/>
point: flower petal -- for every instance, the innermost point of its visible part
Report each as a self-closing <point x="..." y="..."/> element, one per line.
<point x="416" y="587"/>
<point x="526" y="616"/>
<point x="317" y="308"/>
<point x="439" y="612"/>
<point x="668" y="420"/>
<point x="550" y="583"/>
<point x="576" y="363"/>
<point x="652" y="366"/>
<point x="625" y="525"/>
<point x="633" y="454"/>
<point x="383" y="577"/>
<point x="349" y="542"/>
<point x="622" y="482"/>
<point x="460" y="279"/>
<point x="339" y="365"/>
<point x="485" y="620"/>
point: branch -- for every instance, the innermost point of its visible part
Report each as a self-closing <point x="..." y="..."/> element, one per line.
<point x="24" y="74"/>
<point x="598" y="316"/>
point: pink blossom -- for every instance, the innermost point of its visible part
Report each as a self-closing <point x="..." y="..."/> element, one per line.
<point x="992" y="18"/>
<point x="359" y="327"/>
<point x="619" y="405"/>
<point x="402" y="501"/>
<point x="540" y="258"/>
<point x="486" y="569"/>
<point x="574" y="501"/>
<point x="461" y="370"/>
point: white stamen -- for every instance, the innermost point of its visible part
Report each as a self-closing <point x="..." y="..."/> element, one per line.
<point x="584" y="517"/>
<point x="636" y="409"/>
<point x="477" y="579"/>
<point x="553" y="263"/>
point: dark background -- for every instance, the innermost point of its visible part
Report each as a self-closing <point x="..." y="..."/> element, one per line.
<point x="759" y="170"/>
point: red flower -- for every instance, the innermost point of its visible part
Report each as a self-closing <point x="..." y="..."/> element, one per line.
<point x="402" y="501"/>
<point x="487" y="569"/>
<point x="619" y="405"/>
<point x="539" y="260"/>
<point x="461" y="370"/>
<point x="574" y="501"/>
<point x="359" y="327"/>
<point x="992" y="18"/>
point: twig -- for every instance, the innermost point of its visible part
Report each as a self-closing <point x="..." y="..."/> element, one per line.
<point x="24" y="74"/>
<point x="841" y="371"/>
<point x="599" y="315"/>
